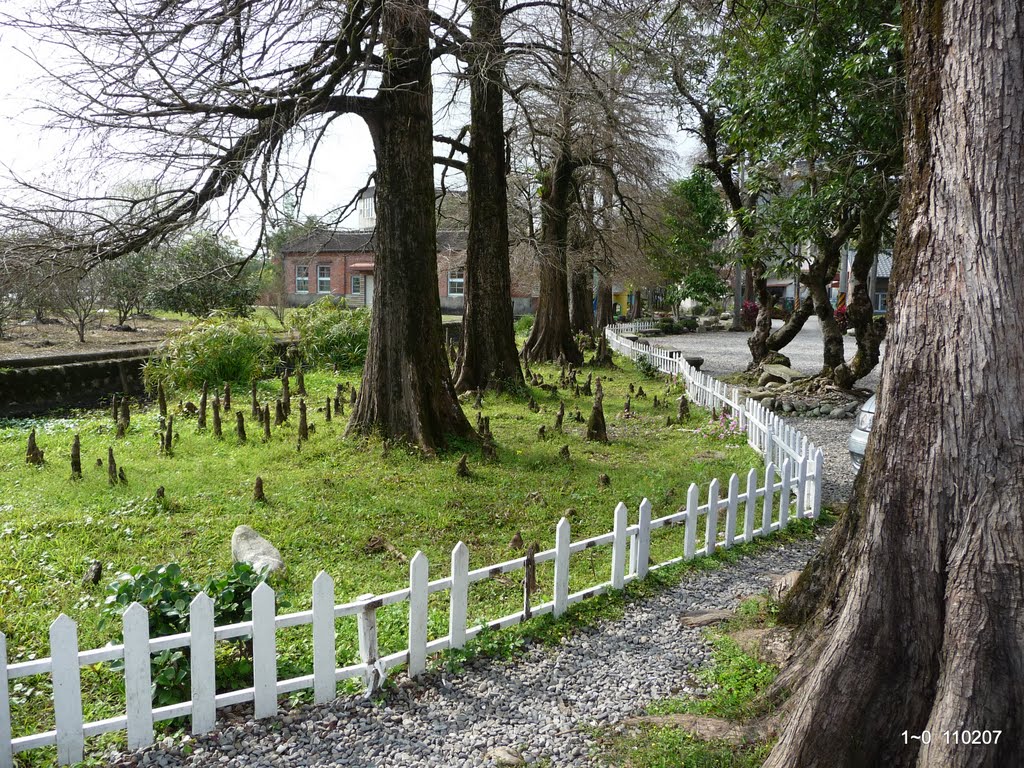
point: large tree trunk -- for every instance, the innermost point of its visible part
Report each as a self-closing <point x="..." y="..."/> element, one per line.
<point x="487" y="354"/>
<point x="817" y="279"/>
<point x="551" y="336"/>
<point x="407" y="392"/>
<point x="605" y="302"/>
<point x="636" y="309"/>
<point x="758" y="341"/>
<point x="929" y="623"/>
<point x="581" y="298"/>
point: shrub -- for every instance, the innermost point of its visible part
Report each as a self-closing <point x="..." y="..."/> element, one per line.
<point x="524" y="324"/>
<point x="647" y="368"/>
<point x="842" y="316"/>
<point x="748" y="314"/>
<point x="330" y="334"/>
<point x="214" y="350"/>
<point x="167" y="595"/>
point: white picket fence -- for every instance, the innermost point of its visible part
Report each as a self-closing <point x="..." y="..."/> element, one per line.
<point x="790" y="486"/>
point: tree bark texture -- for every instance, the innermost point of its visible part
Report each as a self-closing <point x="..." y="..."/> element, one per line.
<point x="487" y="353"/>
<point x="581" y="299"/>
<point x="605" y="302"/>
<point x="929" y="627"/>
<point x="551" y="336"/>
<point x="407" y="392"/>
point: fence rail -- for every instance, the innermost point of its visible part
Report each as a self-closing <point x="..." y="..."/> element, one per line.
<point x="789" y="487"/>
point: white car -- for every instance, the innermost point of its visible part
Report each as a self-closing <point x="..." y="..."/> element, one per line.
<point x="858" y="441"/>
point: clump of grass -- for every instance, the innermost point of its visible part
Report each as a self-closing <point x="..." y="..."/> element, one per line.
<point x="214" y="350"/>
<point x="656" y="747"/>
<point x="330" y="334"/>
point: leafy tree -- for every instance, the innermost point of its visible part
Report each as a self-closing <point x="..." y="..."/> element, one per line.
<point x="684" y="249"/>
<point x="128" y="282"/>
<point x="203" y="274"/>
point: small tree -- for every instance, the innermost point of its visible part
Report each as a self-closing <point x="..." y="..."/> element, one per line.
<point x="75" y="295"/>
<point x="127" y="282"/>
<point x="205" y="273"/>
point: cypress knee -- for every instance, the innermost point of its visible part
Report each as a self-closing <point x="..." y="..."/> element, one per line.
<point x="216" y="417"/>
<point x="76" y="458"/>
<point x="300" y="382"/>
<point x="202" y="408"/>
<point x="286" y="395"/>
<point x="596" y="428"/>
<point x="111" y="467"/>
<point x="327" y="410"/>
<point x="169" y="435"/>
<point x="266" y="423"/>
<point x="278" y="413"/>
<point x="240" y="426"/>
<point x="684" y="408"/>
<point x="33" y="455"/>
<point x="227" y="395"/>
<point x="161" y="399"/>
<point x="303" y="429"/>
<point x="257" y="491"/>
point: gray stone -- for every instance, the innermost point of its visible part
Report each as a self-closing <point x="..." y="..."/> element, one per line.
<point x="247" y="546"/>
<point x="767" y="378"/>
<point x="505" y="756"/>
<point x="837" y="413"/>
<point x="783" y="372"/>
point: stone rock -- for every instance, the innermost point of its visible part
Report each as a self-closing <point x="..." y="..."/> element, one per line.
<point x="704" y="618"/>
<point x="694" y="362"/>
<point x="787" y="407"/>
<point x="505" y="756"/>
<point x="782" y="583"/>
<point x="776" y="358"/>
<point x="767" y="378"/>
<point x="783" y="372"/>
<point x="247" y="546"/>
<point x="772" y="645"/>
<point x="837" y="413"/>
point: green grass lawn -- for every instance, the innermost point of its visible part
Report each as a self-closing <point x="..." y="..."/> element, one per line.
<point x="325" y="503"/>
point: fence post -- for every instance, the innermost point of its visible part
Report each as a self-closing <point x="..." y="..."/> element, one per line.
<point x="730" y="513"/>
<point x="619" y="546"/>
<point x="204" y="670"/>
<point x="138" y="696"/>
<point x="366" y="623"/>
<point x="264" y="651"/>
<point x="419" y="576"/>
<point x="748" y="514"/>
<point x="769" y="493"/>
<point x="692" y="504"/>
<point x="6" y="753"/>
<point x="324" y="650"/>
<point x="458" y="604"/>
<point x="819" y="466"/>
<point x="643" y="540"/>
<point x="562" y="538"/>
<point x="711" y="527"/>
<point x="784" y="495"/>
<point x="67" y="690"/>
<point x="801" y="485"/>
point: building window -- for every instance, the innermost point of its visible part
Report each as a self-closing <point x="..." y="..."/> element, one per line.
<point x="357" y="284"/>
<point x="456" y="282"/>
<point x="881" y="301"/>
<point x="323" y="278"/>
<point x="301" y="279"/>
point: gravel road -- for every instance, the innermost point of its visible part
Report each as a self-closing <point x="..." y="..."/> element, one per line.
<point x="544" y="705"/>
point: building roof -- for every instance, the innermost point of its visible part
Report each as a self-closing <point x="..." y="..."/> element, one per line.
<point x="360" y="241"/>
<point x="883" y="266"/>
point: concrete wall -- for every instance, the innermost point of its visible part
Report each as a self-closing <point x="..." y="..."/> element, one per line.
<point x="26" y="391"/>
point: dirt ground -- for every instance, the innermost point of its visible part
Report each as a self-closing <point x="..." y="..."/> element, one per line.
<point x="31" y="339"/>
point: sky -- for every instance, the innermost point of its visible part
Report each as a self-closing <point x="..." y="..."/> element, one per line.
<point x="341" y="166"/>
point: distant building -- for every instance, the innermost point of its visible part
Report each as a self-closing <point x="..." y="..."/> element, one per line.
<point x="341" y="264"/>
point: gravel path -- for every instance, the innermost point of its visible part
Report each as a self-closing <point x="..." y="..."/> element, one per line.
<point x="543" y="705"/>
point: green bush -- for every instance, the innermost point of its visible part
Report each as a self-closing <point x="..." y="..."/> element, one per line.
<point x="167" y="595"/>
<point x="647" y="368"/>
<point x="330" y="334"/>
<point x="214" y="350"/>
<point x="524" y="324"/>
